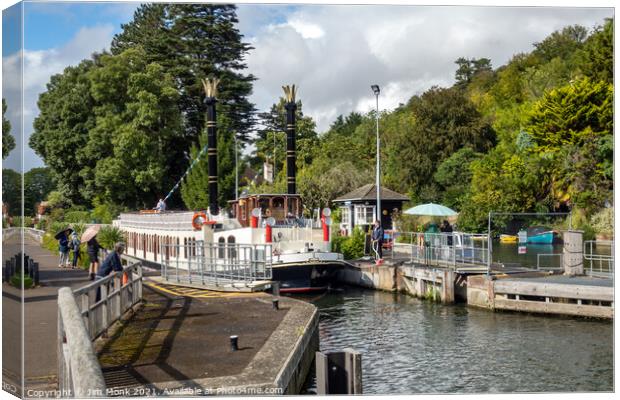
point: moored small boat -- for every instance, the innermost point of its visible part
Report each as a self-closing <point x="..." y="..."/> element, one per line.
<point x="508" y="238"/>
<point x="541" y="235"/>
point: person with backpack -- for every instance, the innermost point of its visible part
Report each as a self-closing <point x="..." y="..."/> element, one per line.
<point x="63" y="248"/>
<point x="74" y="245"/>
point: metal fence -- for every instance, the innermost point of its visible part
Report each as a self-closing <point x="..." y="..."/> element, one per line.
<point x="216" y="263"/>
<point x="450" y="250"/>
<point x="598" y="258"/>
<point x="84" y="315"/>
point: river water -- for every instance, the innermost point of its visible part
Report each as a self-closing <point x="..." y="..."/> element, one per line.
<point x="414" y="346"/>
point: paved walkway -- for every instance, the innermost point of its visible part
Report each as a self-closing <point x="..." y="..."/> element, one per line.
<point x="40" y="317"/>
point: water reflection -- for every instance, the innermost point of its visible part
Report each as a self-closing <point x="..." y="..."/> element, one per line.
<point x="413" y="346"/>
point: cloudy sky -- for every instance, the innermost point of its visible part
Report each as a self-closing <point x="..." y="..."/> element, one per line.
<point x="334" y="53"/>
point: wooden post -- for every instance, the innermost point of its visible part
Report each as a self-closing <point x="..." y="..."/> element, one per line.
<point x="339" y="372"/>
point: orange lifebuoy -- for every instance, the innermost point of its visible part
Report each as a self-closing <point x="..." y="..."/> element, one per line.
<point x="198" y="220"/>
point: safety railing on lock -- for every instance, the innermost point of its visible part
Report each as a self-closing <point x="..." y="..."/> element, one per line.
<point x="451" y="250"/>
<point x="216" y="263"/>
<point x="84" y="315"/>
<point x="598" y="258"/>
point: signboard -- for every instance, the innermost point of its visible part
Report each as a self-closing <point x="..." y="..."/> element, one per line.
<point x="522" y="249"/>
<point x="268" y="172"/>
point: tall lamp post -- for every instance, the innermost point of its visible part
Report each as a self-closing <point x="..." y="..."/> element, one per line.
<point x="236" y="169"/>
<point x="376" y="91"/>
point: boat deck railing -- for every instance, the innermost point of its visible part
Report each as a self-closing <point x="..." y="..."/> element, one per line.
<point x="216" y="263"/>
<point x="451" y="250"/>
<point x="598" y="263"/>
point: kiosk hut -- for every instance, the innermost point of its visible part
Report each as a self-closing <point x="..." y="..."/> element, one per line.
<point x="357" y="208"/>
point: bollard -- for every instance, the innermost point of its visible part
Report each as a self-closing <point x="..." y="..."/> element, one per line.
<point x="6" y="273"/>
<point x="275" y="288"/>
<point x="26" y="264"/>
<point x="275" y="304"/>
<point x="234" y="345"/>
<point x="31" y="268"/>
<point x="35" y="277"/>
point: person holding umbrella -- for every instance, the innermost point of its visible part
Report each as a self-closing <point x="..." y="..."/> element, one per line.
<point x="92" y="248"/>
<point x="63" y="247"/>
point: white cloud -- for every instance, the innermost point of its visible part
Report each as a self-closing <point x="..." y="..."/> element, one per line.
<point x="334" y="53"/>
<point x="38" y="67"/>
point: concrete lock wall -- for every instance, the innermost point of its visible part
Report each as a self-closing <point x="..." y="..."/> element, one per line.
<point x="418" y="281"/>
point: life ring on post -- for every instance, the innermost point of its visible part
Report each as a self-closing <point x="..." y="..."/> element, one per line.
<point x="198" y="220"/>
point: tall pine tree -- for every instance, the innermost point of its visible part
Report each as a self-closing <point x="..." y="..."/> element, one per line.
<point x="192" y="42"/>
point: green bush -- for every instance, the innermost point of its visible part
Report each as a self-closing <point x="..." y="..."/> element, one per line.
<point x="73" y="216"/>
<point x="109" y="235"/>
<point x="351" y="247"/>
<point x="104" y="213"/>
<point x="603" y="221"/>
<point x="16" y="280"/>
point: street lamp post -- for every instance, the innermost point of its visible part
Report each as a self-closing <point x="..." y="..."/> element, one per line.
<point x="236" y="169"/>
<point x="376" y="91"/>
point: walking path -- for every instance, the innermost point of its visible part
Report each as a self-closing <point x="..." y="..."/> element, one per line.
<point x="40" y="317"/>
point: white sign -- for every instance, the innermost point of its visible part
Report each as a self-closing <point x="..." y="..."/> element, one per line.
<point x="522" y="249"/>
<point x="268" y="172"/>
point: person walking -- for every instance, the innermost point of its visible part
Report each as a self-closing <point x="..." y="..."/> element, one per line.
<point x="75" y="245"/>
<point x="63" y="248"/>
<point x="92" y="248"/>
<point x="447" y="228"/>
<point x="377" y="239"/>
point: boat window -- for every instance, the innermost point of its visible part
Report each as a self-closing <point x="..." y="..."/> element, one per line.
<point x="221" y="247"/>
<point x="232" y="250"/>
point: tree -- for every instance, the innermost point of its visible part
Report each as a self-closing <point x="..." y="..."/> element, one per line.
<point x="108" y="128"/>
<point x="191" y="42"/>
<point x="454" y="176"/>
<point x="8" y="141"/>
<point x="38" y="183"/>
<point x="61" y="130"/>
<point x="563" y="44"/>
<point x="11" y="191"/>
<point x="597" y="57"/>
<point x="469" y="68"/>
<point x="425" y="133"/>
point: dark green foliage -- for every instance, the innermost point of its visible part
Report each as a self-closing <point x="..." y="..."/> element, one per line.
<point x="38" y="183"/>
<point x="454" y="177"/>
<point x="11" y="191"/>
<point x="597" y="56"/>
<point x="110" y="235"/>
<point x="351" y="247"/>
<point x="8" y="141"/>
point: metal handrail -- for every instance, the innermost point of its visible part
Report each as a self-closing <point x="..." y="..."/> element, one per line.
<point x="216" y="263"/>
<point x="452" y="250"/>
<point x="79" y="371"/>
<point x="602" y="259"/>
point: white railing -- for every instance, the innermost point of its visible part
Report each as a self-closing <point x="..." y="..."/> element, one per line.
<point x="105" y="300"/>
<point x="597" y="264"/>
<point x="451" y="250"/>
<point x="79" y="371"/>
<point x="35" y="234"/>
<point x="83" y="316"/>
<point x="216" y="263"/>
